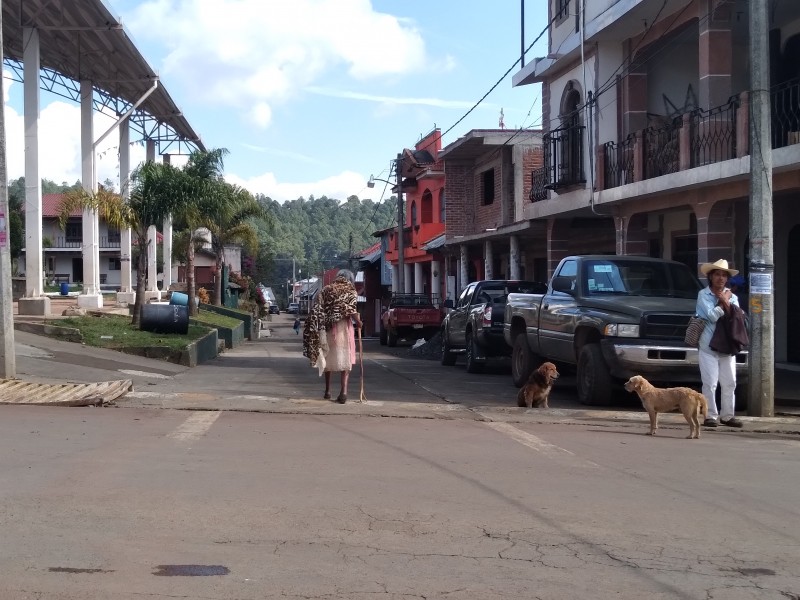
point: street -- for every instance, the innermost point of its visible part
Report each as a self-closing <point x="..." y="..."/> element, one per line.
<point x="303" y="498"/>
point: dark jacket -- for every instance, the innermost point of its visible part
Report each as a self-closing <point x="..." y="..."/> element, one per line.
<point x="730" y="336"/>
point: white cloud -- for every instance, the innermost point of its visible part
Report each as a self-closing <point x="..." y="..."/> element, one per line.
<point x="60" y="143"/>
<point x="339" y="186"/>
<point x="262" y="52"/>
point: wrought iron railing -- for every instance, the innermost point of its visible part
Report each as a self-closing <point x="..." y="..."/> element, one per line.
<point x="563" y="156"/>
<point x="619" y="162"/>
<point x="785" y="99"/>
<point x="713" y="133"/>
<point x="662" y="149"/>
<point x="110" y="241"/>
<point x="538" y="182"/>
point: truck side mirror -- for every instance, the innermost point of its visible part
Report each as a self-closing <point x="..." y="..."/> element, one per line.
<point x="563" y="284"/>
<point x="448" y="303"/>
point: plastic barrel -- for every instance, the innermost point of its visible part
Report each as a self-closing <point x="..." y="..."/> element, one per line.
<point x="64" y="288"/>
<point x="179" y="299"/>
<point x="165" y="318"/>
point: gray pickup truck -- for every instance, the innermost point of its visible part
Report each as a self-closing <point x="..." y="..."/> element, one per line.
<point x="474" y="326"/>
<point x="612" y="317"/>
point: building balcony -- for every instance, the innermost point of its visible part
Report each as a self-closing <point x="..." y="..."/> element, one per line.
<point x="697" y="138"/>
<point x="563" y="157"/>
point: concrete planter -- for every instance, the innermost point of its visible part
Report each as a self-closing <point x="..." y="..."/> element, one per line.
<point x="250" y="331"/>
<point x="231" y="336"/>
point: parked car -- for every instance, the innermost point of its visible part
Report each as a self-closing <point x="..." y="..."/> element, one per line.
<point x="293" y="308"/>
<point x="274" y="309"/>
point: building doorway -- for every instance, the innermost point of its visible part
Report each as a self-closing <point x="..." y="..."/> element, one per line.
<point x="792" y="291"/>
<point x="77" y="270"/>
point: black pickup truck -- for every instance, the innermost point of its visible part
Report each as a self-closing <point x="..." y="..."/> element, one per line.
<point x="474" y="327"/>
<point x="611" y="317"/>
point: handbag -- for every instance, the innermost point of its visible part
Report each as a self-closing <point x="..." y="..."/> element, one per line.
<point x="694" y="331"/>
<point x="730" y="336"/>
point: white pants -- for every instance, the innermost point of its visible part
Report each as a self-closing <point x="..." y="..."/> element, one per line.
<point x="718" y="368"/>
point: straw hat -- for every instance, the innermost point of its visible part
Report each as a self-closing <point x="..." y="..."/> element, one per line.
<point x="720" y="265"/>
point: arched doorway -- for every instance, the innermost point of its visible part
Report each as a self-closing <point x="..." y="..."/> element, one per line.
<point x="793" y="291"/>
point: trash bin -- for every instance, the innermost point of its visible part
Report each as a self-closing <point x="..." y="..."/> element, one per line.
<point x="165" y="318"/>
<point x="64" y="288"/>
<point x="179" y="299"/>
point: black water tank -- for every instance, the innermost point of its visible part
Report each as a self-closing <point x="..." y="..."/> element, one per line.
<point x="165" y="318"/>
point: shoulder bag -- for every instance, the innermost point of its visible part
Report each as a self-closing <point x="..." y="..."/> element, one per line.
<point x="694" y="331"/>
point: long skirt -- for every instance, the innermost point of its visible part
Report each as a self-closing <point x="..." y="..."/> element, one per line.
<point x="341" y="352"/>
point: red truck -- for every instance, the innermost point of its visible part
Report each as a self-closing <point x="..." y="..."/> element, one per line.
<point x="409" y="317"/>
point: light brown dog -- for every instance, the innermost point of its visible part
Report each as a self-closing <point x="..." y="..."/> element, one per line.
<point x="655" y="400"/>
<point x="535" y="392"/>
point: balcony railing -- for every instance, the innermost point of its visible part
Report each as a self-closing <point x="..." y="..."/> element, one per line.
<point x="662" y="149"/>
<point x="619" y="162"/>
<point x="713" y="134"/>
<point x="538" y="181"/>
<point x="563" y="157"/>
<point x="61" y="242"/>
<point x="786" y="114"/>
<point x="110" y="241"/>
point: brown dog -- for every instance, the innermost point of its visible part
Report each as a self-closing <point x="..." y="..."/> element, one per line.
<point x="655" y="400"/>
<point x="534" y="394"/>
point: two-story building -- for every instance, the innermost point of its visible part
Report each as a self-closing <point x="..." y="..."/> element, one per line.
<point x="646" y="145"/>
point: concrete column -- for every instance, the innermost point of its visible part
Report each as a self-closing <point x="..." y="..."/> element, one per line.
<point x="127" y="293"/>
<point x="166" y="234"/>
<point x="463" y="264"/>
<point x="514" y="258"/>
<point x="151" y="258"/>
<point x="488" y="260"/>
<point x="151" y="289"/>
<point x="418" y="278"/>
<point x="395" y="279"/>
<point x="436" y="280"/>
<point x="407" y="281"/>
<point x="34" y="302"/>
<point x="91" y="297"/>
<point x="716" y="54"/>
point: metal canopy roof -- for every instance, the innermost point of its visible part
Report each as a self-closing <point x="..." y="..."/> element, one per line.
<point x="82" y="40"/>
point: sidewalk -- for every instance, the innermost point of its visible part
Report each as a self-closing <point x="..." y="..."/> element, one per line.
<point x="159" y="384"/>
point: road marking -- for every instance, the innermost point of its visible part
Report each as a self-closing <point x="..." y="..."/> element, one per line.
<point x="195" y="426"/>
<point x="144" y="374"/>
<point x="536" y="443"/>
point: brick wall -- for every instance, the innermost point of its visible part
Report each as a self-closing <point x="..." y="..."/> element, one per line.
<point x="490" y="215"/>
<point x="532" y="158"/>
<point x="458" y="198"/>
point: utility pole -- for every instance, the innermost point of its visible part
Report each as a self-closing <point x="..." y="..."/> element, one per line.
<point x="8" y="359"/>
<point x="401" y="266"/>
<point x="761" y="401"/>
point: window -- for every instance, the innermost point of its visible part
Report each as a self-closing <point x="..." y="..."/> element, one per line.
<point x="487" y="187"/>
<point x="113" y="236"/>
<point x="114" y="264"/>
<point x="51" y="264"/>
<point x="73" y="232"/>
<point x="427" y="207"/>
<point x="441" y="207"/>
<point x="413" y="214"/>
<point x="562" y="10"/>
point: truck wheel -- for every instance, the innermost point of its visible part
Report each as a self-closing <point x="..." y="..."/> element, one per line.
<point x="521" y="361"/>
<point x="472" y="350"/>
<point x="448" y="358"/>
<point x="741" y="394"/>
<point x="383" y="336"/>
<point x="594" y="380"/>
<point x="391" y="338"/>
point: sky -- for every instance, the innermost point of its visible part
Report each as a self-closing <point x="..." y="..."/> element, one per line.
<point x="310" y="97"/>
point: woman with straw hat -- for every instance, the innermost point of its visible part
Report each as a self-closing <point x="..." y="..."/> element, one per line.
<point x="713" y="303"/>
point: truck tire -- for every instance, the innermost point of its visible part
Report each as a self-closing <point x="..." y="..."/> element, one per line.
<point x="521" y="361"/>
<point x="391" y="338"/>
<point x="448" y="358"/>
<point x="741" y="394"/>
<point x="594" y="381"/>
<point x="383" y="336"/>
<point x="472" y="350"/>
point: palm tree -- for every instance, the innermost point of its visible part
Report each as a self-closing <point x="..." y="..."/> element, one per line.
<point x="156" y="190"/>
<point x="227" y="218"/>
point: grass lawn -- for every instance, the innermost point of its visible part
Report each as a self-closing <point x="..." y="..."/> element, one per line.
<point x="212" y="318"/>
<point x="115" y="332"/>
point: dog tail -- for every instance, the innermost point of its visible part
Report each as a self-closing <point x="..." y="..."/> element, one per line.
<point x="702" y="406"/>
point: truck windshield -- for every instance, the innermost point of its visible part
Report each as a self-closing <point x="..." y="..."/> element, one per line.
<point x="639" y="278"/>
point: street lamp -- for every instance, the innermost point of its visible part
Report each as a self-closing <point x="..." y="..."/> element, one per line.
<point x="401" y="288"/>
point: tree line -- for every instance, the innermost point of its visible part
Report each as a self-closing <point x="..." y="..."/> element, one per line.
<point x="298" y="238"/>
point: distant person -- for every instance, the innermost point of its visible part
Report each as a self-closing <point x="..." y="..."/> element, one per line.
<point x="329" y="335"/>
<point x="296" y="325"/>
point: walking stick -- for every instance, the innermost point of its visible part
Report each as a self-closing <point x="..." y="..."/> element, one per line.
<point x="362" y="397"/>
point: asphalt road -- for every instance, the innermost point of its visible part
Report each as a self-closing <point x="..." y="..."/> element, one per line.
<point x="436" y="487"/>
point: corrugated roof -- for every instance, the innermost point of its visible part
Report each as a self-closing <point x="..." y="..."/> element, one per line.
<point x="436" y="242"/>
